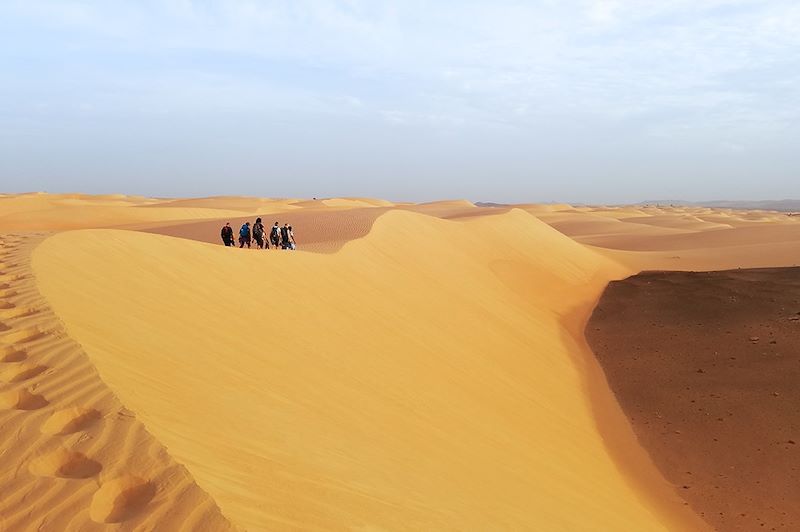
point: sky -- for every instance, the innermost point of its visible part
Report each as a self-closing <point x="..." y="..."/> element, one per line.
<point x="603" y="101"/>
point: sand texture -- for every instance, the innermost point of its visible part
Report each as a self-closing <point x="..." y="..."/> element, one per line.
<point x="72" y="456"/>
<point x="706" y="366"/>
<point x="412" y="367"/>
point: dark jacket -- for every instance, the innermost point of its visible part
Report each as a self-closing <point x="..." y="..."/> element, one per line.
<point x="226" y="233"/>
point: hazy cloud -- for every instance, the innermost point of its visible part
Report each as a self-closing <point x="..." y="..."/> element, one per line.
<point x="573" y="100"/>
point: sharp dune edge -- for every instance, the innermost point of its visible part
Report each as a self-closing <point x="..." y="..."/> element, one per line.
<point x="706" y="364"/>
<point x="68" y="446"/>
<point x="427" y="371"/>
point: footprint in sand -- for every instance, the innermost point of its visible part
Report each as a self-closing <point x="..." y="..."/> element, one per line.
<point x="22" y="399"/>
<point x="16" y="312"/>
<point x="21" y="372"/>
<point x="23" y="336"/>
<point x="70" y="420"/>
<point x="9" y="310"/>
<point x="121" y="499"/>
<point x="65" y="464"/>
<point x="10" y="353"/>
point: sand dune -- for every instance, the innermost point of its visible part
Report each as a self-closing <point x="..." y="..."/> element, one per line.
<point x="719" y="373"/>
<point x="687" y="222"/>
<point x="355" y="202"/>
<point x="722" y="237"/>
<point x="319" y="230"/>
<point x="589" y="225"/>
<point x="242" y="204"/>
<point x="730" y="241"/>
<point x="429" y="410"/>
<point x="65" y="432"/>
<point x="45" y="212"/>
<point x="423" y="367"/>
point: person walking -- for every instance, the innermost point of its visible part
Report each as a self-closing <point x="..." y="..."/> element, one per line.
<point x="258" y="234"/>
<point x="227" y="235"/>
<point x="285" y="236"/>
<point x="244" y="235"/>
<point x="292" y="242"/>
<point x="275" y="235"/>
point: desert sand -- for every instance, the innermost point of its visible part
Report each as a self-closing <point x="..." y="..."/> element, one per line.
<point x="706" y="366"/>
<point x="411" y="367"/>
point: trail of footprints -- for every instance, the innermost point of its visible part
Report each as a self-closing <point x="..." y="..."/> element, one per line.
<point x="23" y="375"/>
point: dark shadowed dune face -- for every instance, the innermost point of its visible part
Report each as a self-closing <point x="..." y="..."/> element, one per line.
<point x="707" y="368"/>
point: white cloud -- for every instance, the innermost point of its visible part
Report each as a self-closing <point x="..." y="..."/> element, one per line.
<point x="713" y="71"/>
<point x="586" y="52"/>
<point x="603" y="11"/>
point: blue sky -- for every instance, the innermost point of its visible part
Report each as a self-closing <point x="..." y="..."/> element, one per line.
<point x="581" y="101"/>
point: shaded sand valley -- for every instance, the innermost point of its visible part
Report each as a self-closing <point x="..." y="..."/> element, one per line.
<point x="706" y="366"/>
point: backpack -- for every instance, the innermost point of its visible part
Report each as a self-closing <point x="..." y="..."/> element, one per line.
<point x="244" y="231"/>
<point x="274" y="232"/>
<point x="258" y="229"/>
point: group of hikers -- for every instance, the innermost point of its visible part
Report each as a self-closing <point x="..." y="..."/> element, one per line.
<point x="280" y="237"/>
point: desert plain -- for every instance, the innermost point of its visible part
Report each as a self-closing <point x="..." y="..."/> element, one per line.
<point x="409" y="367"/>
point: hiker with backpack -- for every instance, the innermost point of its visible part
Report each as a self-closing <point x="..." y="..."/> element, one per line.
<point x="258" y="234"/>
<point x="275" y="235"/>
<point x="227" y="235"/>
<point x="244" y="235"/>
<point x="285" y="236"/>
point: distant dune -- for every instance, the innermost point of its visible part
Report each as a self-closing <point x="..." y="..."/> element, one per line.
<point x="786" y="205"/>
<point x="411" y="367"/>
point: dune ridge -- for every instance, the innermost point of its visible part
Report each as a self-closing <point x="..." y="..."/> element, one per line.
<point x="710" y="386"/>
<point x="430" y="410"/>
<point x="423" y="367"/>
<point x="66" y="436"/>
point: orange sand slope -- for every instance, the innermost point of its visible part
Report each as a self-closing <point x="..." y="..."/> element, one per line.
<point x="683" y="238"/>
<point x="428" y="371"/>
<point x="377" y="388"/>
<point x="72" y="457"/>
<point x="38" y="211"/>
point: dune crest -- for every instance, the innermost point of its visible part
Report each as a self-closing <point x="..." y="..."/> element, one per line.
<point x="63" y="432"/>
<point x="376" y="387"/>
<point x="423" y="367"/>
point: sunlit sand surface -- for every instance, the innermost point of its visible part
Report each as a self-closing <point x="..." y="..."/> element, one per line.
<point x="411" y="367"/>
